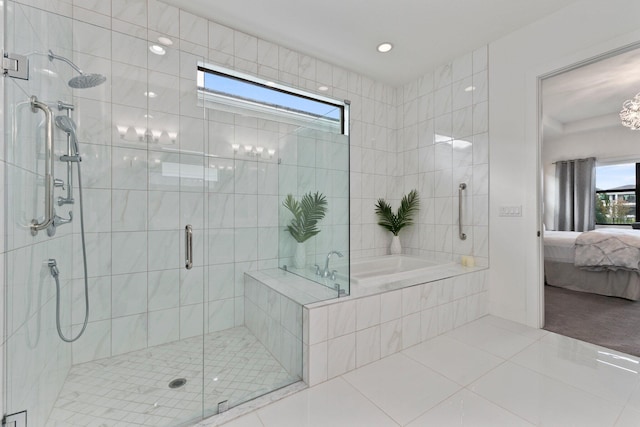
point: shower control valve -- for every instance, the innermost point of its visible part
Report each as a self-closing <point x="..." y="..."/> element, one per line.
<point x="58" y="221"/>
<point x="65" y="201"/>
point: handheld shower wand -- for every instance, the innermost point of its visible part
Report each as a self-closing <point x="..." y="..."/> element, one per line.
<point x="66" y="123"/>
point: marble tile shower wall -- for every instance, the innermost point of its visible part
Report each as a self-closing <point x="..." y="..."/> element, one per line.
<point x="443" y="141"/>
<point x="135" y="210"/>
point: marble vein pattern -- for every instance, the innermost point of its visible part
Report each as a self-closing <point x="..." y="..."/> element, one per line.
<point x="132" y="389"/>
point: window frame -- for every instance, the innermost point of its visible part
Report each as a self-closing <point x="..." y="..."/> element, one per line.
<point x="262" y="110"/>
<point x="636" y="191"/>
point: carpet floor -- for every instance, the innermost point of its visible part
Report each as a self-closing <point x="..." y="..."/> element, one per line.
<point x="607" y="321"/>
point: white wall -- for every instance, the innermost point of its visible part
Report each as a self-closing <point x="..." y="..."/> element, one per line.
<point x="580" y="31"/>
<point x="605" y="144"/>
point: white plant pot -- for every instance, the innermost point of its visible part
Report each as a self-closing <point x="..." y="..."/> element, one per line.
<point x="395" y="248"/>
<point x="300" y="256"/>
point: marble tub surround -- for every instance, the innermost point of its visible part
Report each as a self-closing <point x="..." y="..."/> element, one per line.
<point x="343" y="334"/>
<point x="274" y="301"/>
<point x="371" y="286"/>
<point x="276" y="321"/>
<point x="294" y="287"/>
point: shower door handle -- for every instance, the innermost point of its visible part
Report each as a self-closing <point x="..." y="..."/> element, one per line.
<point x="461" y="187"/>
<point x="188" y="247"/>
<point x="49" y="182"/>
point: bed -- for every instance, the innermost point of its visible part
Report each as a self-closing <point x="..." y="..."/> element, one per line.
<point x="563" y="268"/>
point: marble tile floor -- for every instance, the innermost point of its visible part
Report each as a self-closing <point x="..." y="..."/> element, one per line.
<point x="491" y="372"/>
<point x="132" y="389"/>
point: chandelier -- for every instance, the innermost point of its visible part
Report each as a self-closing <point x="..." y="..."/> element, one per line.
<point x="630" y="113"/>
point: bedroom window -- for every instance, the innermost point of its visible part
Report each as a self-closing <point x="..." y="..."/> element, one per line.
<point x="616" y="193"/>
<point x="242" y="93"/>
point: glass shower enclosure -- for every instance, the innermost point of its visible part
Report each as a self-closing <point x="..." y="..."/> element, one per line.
<point x="165" y="214"/>
<point x="315" y="161"/>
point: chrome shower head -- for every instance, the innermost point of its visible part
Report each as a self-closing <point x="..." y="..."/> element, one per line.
<point x="83" y="81"/>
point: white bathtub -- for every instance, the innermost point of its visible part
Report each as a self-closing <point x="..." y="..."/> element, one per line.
<point x="403" y="270"/>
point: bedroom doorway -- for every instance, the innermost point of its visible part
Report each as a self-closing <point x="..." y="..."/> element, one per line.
<point x="583" y="137"/>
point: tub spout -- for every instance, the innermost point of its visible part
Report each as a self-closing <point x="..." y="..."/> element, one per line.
<point x="326" y="272"/>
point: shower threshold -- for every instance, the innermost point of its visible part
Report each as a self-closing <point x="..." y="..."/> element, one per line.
<point x="133" y="389"/>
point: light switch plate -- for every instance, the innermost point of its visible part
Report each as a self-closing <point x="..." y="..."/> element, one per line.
<point x="510" y="211"/>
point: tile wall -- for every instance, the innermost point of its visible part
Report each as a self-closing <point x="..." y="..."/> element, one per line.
<point x="342" y="336"/>
<point x="443" y="141"/>
<point x="277" y="323"/>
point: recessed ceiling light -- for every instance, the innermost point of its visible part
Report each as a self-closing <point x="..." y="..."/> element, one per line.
<point x="165" y="41"/>
<point x="150" y="94"/>
<point x="385" y="47"/>
<point x="269" y="83"/>
<point x="469" y="88"/>
<point x="158" y="50"/>
<point x="323" y="88"/>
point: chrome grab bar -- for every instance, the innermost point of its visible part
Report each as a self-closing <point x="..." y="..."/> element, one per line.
<point x="188" y="247"/>
<point x="461" y="187"/>
<point x="48" y="168"/>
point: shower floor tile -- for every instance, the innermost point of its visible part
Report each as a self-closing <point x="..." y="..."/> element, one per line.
<point x="133" y="388"/>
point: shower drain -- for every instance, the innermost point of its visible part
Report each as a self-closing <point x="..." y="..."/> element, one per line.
<point x="177" y="383"/>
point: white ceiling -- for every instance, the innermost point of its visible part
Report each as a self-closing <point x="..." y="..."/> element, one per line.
<point x="425" y="33"/>
<point x="591" y="96"/>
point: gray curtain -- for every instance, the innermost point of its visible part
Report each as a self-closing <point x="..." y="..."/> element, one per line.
<point x="576" y="194"/>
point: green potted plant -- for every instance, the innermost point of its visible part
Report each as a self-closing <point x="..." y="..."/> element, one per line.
<point x="306" y="214"/>
<point x="394" y="222"/>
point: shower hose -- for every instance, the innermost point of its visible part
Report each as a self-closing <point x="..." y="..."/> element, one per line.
<point x="55" y="273"/>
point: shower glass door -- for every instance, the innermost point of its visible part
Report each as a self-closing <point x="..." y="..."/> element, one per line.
<point x="163" y="188"/>
<point x="37" y="360"/>
<point x="144" y="172"/>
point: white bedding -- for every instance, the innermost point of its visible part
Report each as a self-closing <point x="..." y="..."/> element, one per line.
<point x="608" y="249"/>
<point x="559" y="246"/>
<point x="560" y="269"/>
